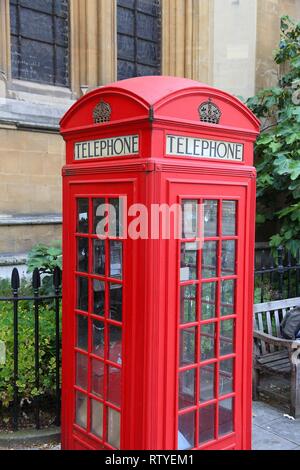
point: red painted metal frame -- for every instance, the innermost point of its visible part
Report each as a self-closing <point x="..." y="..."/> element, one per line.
<point x="153" y="107"/>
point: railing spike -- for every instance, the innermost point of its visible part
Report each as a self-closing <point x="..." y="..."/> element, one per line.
<point x="56" y="277"/>
<point x="36" y="279"/>
<point x="15" y="279"/>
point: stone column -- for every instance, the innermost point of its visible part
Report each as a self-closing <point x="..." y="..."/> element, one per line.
<point x="186" y="38"/>
<point x="93" y="43"/>
<point x="4" y="46"/>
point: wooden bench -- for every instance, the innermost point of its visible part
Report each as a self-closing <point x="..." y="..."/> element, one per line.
<point x="273" y="354"/>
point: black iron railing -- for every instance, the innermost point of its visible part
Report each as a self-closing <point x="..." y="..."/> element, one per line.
<point x="277" y="275"/>
<point x="35" y="301"/>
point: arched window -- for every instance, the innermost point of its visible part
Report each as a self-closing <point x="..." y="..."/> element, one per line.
<point x="39" y="41"/>
<point x="139" y="38"/>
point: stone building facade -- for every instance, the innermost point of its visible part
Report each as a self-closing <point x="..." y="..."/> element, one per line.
<point x="53" y="51"/>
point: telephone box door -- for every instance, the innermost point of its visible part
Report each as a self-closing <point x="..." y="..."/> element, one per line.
<point x="211" y="316"/>
<point x="95" y="312"/>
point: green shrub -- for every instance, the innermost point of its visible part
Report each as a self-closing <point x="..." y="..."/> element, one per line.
<point x="26" y="380"/>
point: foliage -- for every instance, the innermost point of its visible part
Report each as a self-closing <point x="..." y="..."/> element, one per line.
<point x="26" y="382"/>
<point x="277" y="152"/>
<point x="45" y="258"/>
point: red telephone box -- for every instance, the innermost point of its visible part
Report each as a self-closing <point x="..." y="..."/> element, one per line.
<point x="157" y="322"/>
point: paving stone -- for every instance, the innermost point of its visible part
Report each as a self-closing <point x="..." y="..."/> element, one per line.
<point x="266" y="440"/>
<point x="263" y="413"/>
<point x="285" y="428"/>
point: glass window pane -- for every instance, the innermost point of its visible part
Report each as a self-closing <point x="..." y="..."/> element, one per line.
<point x="81" y="371"/>
<point x="116" y="217"/>
<point x="115" y="344"/>
<point x="97" y="377"/>
<point x="115" y="301"/>
<point x="186" y="431"/>
<point x="187" y="347"/>
<point x="190" y="218"/>
<point x="99" y="257"/>
<point x="226" y="377"/>
<point x="114" y="386"/>
<point x="188" y="268"/>
<point x="207" y="424"/>
<point x="188" y="304"/>
<point x="208" y="304"/>
<point x="209" y="260"/>
<point x="113" y="428"/>
<point x="187" y="388"/>
<point x="100" y="220"/>
<point x="82" y="294"/>
<point x="226" y="337"/>
<point x="207" y="383"/>
<point x="229" y="218"/>
<point x="97" y="418"/>
<point x="82" y="216"/>
<point x="116" y="262"/>
<point x="226" y="417"/>
<point x="228" y="257"/>
<point x="98" y="338"/>
<point x="208" y="341"/>
<point x="83" y="255"/>
<point x="99" y="297"/>
<point x="81" y="410"/>
<point x="210" y="218"/>
<point x="227" y="297"/>
<point x="82" y="332"/>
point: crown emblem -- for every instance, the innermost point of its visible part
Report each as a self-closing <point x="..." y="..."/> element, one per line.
<point x="102" y="112"/>
<point x="209" y="112"/>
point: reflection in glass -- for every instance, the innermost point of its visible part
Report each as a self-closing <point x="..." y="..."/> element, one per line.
<point x="81" y="371"/>
<point x="99" y="257"/>
<point x="116" y="217"/>
<point x="226" y="377"/>
<point x="186" y="431"/>
<point x="228" y="257"/>
<point x="186" y="388"/>
<point x="113" y="428"/>
<point x="97" y="418"/>
<point x="99" y="297"/>
<point x="207" y="341"/>
<point x="82" y="216"/>
<point x="98" y="338"/>
<point x="208" y="305"/>
<point x="190" y="218"/>
<point x="227" y="297"/>
<point x="82" y="293"/>
<point x="187" y="346"/>
<point x="207" y="423"/>
<point x="209" y="260"/>
<point x="207" y="383"/>
<point x="100" y="221"/>
<point x="81" y="410"/>
<point x="115" y="344"/>
<point x="114" y="386"/>
<point x="226" y="417"/>
<point x="115" y="301"/>
<point x="210" y="218"/>
<point x="188" y="304"/>
<point x="226" y="337"/>
<point x="82" y="255"/>
<point x="97" y="377"/>
<point x="115" y="257"/>
<point x="188" y="268"/>
<point x="82" y="332"/>
<point x="228" y="218"/>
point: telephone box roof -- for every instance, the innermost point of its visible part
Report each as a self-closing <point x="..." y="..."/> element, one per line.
<point x="171" y="98"/>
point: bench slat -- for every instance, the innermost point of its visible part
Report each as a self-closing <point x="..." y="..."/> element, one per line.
<point x="277" y="304"/>
<point x="277" y="323"/>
